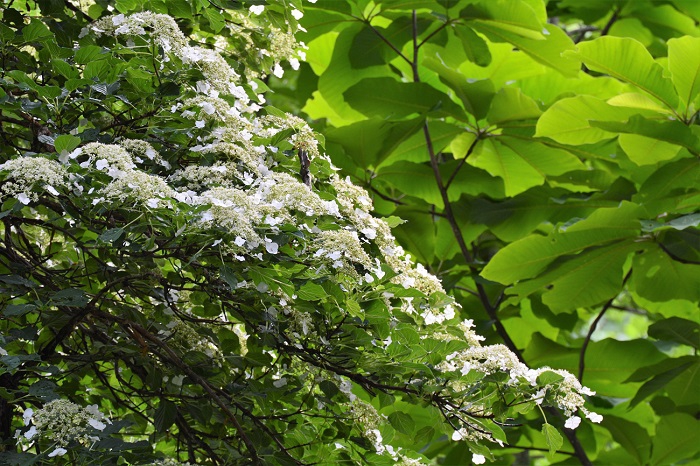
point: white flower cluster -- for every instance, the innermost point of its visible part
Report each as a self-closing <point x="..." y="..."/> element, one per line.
<point x="25" y="173"/>
<point x="342" y="250"/>
<point x="566" y="393"/>
<point x="63" y="422"/>
<point x="184" y="336"/>
<point x="165" y="32"/>
<point x="168" y="462"/>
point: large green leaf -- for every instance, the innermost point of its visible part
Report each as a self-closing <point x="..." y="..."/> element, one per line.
<point x="685" y="388"/>
<point x="413" y="179"/>
<point x="548" y="51"/>
<point x="511" y="104"/>
<point x="629" y="61"/>
<point x="414" y="148"/>
<point x="675" y="439"/>
<point x="678" y="330"/>
<point x="588" y="279"/>
<point x="514" y="218"/>
<point x="671" y="131"/>
<point x="567" y="121"/>
<point x="522" y="164"/>
<point x="476" y="95"/>
<point x="387" y="97"/>
<point x="658" y="277"/>
<point x="529" y="256"/>
<point x="475" y="48"/>
<point x="517" y="18"/>
<point x="644" y="150"/>
<point x="370" y="141"/>
<point x="633" y="437"/>
<point x="684" y="65"/>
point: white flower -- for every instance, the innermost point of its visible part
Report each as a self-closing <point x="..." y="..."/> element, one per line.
<point x="27" y="416"/>
<point x="370" y="233"/>
<point x="23" y="198"/>
<point x="257" y="9"/>
<point x="478" y="459"/>
<point x="572" y="422"/>
<point x="118" y="19"/>
<point x="199" y="123"/>
<point x="457" y="435"/>
<point x="280" y="383"/>
<point x="97" y="424"/>
<point x="594" y="417"/>
<point x="152" y="203"/>
<point x="271" y="246"/>
<point x="4" y="353"/>
<point x="278" y="71"/>
<point x="297" y="14"/>
<point x="58" y="451"/>
<point x="30" y="433"/>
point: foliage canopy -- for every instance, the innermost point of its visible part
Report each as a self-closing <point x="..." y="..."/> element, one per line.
<point x="186" y="276"/>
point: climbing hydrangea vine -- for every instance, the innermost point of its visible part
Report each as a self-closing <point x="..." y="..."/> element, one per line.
<point x="185" y="257"/>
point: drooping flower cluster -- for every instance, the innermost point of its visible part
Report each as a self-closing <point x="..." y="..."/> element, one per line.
<point x="63" y="422"/>
<point x="247" y="192"/>
<point x="26" y="174"/>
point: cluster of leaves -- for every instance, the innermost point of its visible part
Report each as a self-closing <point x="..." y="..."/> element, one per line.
<point x="545" y="156"/>
<point x="181" y="257"/>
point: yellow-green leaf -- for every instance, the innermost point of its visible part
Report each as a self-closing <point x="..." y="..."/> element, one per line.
<point x="628" y="60"/>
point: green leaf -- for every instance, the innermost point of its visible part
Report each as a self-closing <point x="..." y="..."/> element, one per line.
<point x="684" y="65"/>
<point x="684" y="390"/>
<point x="389" y="98"/>
<point x="229" y="276"/>
<point x="552" y="437"/>
<point x="644" y="150"/>
<point x="71" y="297"/>
<point x="672" y="131"/>
<point x="402" y="422"/>
<point x="628" y="60"/>
<point x="216" y="20"/>
<point x="164" y="416"/>
<point x="371" y="141"/>
<point x="113" y="235"/>
<point x="675" y="439"/>
<point x="638" y="100"/>
<point x="66" y="142"/>
<point x="475" y="48"/>
<point x="88" y="53"/>
<point x="510" y="104"/>
<point x="567" y="121"/>
<point x="588" y="279"/>
<point x="475" y="95"/>
<point x="521" y="164"/>
<point x="631" y="436"/>
<point x="527" y="257"/>
<point x="413" y="179"/>
<point x="657" y="277"/>
<point x="678" y="330"/>
<point x="516" y="18"/>
<point x="413" y="148"/>
<point x="35" y="30"/>
<point x="548" y="52"/>
<point x="311" y="292"/>
<point x="657" y="382"/>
